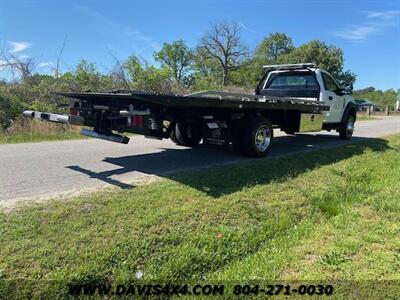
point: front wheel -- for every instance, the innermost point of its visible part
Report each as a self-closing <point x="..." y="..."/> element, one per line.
<point x="346" y="130"/>
<point x="257" y="137"/>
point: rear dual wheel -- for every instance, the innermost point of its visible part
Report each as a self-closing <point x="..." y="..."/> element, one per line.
<point x="254" y="137"/>
<point x="187" y="134"/>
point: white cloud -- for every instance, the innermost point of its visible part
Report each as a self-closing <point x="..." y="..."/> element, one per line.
<point x="136" y="34"/>
<point x="375" y="22"/>
<point x="356" y="32"/>
<point x="18" y="46"/>
<point x="46" y="64"/>
<point x="383" y="15"/>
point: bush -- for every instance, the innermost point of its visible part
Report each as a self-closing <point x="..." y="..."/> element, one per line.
<point x="8" y="110"/>
<point x="30" y="130"/>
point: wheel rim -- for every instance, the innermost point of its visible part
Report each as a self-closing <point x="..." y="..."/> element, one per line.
<point x="262" y="138"/>
<point x="350" y="126"/>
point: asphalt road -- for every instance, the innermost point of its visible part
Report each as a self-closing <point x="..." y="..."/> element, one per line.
<point x="49" y="169"/>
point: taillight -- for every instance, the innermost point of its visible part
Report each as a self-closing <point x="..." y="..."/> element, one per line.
<point x="136" y="121"/>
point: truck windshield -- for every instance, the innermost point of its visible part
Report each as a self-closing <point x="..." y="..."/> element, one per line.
<point x="291" y="81"/>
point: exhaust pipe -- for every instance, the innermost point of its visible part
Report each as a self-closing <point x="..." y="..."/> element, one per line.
<point x="56" y="118"/>
<point x="75" y="120"/>
<point x="108" y="137"/>
<point x="46" y="116"/>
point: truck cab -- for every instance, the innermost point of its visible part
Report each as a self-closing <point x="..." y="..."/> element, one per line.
<point x="305" y="81"/>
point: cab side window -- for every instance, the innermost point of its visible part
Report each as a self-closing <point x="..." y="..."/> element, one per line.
<point x="329" y="83"/>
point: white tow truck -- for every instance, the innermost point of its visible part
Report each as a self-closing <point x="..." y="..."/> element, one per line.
<point x="294" y="98"/>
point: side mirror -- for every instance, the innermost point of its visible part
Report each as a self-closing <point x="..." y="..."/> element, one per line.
<point x="347" y="89"/>
<point x="339" y="91"/>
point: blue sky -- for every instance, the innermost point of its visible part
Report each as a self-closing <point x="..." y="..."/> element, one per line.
<point x="368" y="31"/>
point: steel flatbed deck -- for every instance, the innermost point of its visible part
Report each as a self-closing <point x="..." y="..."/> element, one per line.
<point x="206" y="99"/>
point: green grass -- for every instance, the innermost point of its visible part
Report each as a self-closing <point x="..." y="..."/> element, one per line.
<point x="328" y="215"/>
<point x="366" y="118"/>
<point x="30" y="130"/>
<point x="37" y="137"/>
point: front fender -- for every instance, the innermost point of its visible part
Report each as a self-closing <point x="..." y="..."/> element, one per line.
<point x="351" y="109"/>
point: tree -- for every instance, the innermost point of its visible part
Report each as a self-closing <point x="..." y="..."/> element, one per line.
<point x="147" y="78"/>
<point x="57" y="67"/>
<point x="154" y="80"/>
<point x="379" y="97"/>
<point x="176" y="57"/>
<point x="87" y="75"/>
<point x="9" y="109"/>
<point x="222" y="43"/>
<point x="272" y="47"/>
<point x="133" y="67"/>
<point x="206" y="72"/>
<point x="23" y="67"/>
<point x="365" y="90"/>
<point x="118" y="73"/>
<point x="327" y="57"/>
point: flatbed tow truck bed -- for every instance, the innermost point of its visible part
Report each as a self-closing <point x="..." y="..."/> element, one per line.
<point x="206" y="99"/>
<point x="217" y="118"/>
<point x="242" y="121"/>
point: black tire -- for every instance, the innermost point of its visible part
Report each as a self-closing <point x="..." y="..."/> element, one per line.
<point x="172" y="136"/>
<point x="188" y="134"/>
<point x="347" y="127"/>
<point x="254" y="131"/>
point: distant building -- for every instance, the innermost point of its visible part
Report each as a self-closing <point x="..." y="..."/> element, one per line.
<point x="363" y="105"/>
<point x="398" y="100"/>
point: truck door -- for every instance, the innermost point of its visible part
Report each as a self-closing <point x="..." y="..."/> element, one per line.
<point x="332" y="99"/>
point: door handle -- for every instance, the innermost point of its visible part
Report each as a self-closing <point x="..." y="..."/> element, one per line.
<point x="330" y="98"/>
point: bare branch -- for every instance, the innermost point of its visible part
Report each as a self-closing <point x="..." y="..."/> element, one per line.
<point x="119" y="71"/>
<point x="22" y="66"/>
<point x="222" y="42"/>
<point x="58" y="60"/>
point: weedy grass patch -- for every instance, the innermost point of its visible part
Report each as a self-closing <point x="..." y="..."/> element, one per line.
<point x="327" y="215"/>
<point x="26" y="130"/>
